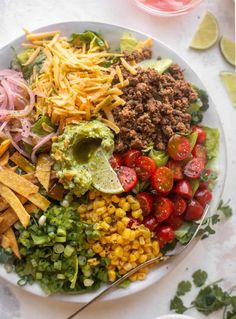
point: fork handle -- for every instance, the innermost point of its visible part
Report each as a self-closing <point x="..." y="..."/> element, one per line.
<point x="119" y="281"/>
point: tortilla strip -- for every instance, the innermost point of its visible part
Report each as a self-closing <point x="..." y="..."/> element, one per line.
<point x="43" y="170"/>
<point x="11" y="241"/>
<point x="4" y="159"/>
<point x="39" y="201"/>
<point x="22" y="162"/>
<point x="3" y="204"/>
<point x="15" y="204"/>
<point x="9" y="217"/>
<point x="17" y="183"/>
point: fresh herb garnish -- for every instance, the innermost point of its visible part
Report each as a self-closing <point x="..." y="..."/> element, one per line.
<point x="199" y="278"/>
<point x="177" y="305"/>
<point x="225" y="208"/>
<point x="88" y="37"/>
<point x="183" y="287"/>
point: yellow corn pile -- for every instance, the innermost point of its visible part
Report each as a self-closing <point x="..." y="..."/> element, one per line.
<point x="125" y="247"/>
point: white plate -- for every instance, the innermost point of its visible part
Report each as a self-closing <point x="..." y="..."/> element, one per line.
<point x="112" y="34"/>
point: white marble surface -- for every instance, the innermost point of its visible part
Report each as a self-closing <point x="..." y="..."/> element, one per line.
<point x="218" y="253"/>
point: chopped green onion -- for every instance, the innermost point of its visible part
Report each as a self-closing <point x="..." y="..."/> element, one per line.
<point x="82" y="260"/>
<point x="34" y="263"/>
<point x="60" y="239"/>
<point x="57" y="265"/>
<point x="58" y="248"/>
<point x="60" y="276"/>
<point x="38" y="275"/>
<point x="61" y="232"/>
<point x="22" y="281"/>
<point x="88" y="282"/>
<point x="68" y="251"/>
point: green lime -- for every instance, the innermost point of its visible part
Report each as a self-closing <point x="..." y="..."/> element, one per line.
<point x="160" y="65"/>
<point x="104" y="178"/>
<point x="229" y="80"/>
<point x="227" y="48"/>
<point x="206" y="34"/>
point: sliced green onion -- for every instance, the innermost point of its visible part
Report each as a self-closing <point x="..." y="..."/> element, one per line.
<point x="38" y="275"/>
<point x="68" y="251"/>
<point x="60" y="239"/>
<point x="34" y="263"/>
<point x="58" y="248"/>
<point x="57" y="265"/>
<point x="60" y="276"/>
<point x="88" y="282"/>
<point x="82" y="260"/>
<point x="61" y="232"/>
<point x="22" y="281"/>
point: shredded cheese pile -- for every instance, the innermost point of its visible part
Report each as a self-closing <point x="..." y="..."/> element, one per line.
<point x="72" y="86"/>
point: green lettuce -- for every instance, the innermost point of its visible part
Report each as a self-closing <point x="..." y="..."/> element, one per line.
<point x="212" y="142"/>
<point x="160" y="157"/>
<point x="128" y="42"/>
<point x="88" y="37"/>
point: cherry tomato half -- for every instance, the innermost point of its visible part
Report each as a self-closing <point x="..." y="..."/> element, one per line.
<point x="130" y="157"/>
<point x="165" y="234"/>
<point x="183" y="188"/>
<point x="150" y="222"/>
<point x="204" y="196"/>
<point x="175" y="221"/>
<point x="176" y="168"/>
<point x="146" y="202"/>
<point x="179" y="205"/>
<point x="194" y="168"/>
<point x="163" y="208"/>
<point x="145" y="167"/>
<point x="116" y="160"/>
<point x="194" y="210"/>
<point x="199" y="151"/>
<point x="178" y="147"/>
<point x="128" y="177"/>
<point x="201" y="137"/>
<point x="162" y="180"/>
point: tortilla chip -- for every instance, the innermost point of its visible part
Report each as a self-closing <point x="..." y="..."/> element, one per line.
<point x="15" y="204"/>
<point x="9" y="217"/>
<point x="17" y="183"/>
<point x="22" y="162"/>
<point x="4" y="159"/>
<point x="3" y="204"/>
<point x="9" y="239"/>
<point x="4" y="146"/>
<point x="39" y="201"/>
<point x="43" y="170"/>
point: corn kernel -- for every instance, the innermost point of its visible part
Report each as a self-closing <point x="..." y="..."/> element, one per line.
<point x="136" y="244"/>
<point x="124" y="258"/>
<point x="114" y="238"/>
<point x="111" y="209"/>
<point x="97" y="248"/>
<point x="82" y="209"/>
<point x="122" y="201"/>
<point x="90" y="206"/>
<point x="141" y="276"/>
<point x="92" y="195"/>
<point x="104" y="225"/>
<point x="114" y="261"/>
<point x="126" y="206"/>
<point x="102" y="253"/>
<point x="133" y="277"/>
<point x="141" y="240"/>
<point x="126" y="233"/>
<point x="136" y="213"/>
<point x="136" y="253"/>
<point x="125" y="220"/>
<point x="120" y="212"/>
<point x="101" y="210"/>
<point x="99" y="203"/>
<point x="93" y="261"/>
<point x="132" y="258"/>
<point x="128" y="267"/>
<point x="135" y="205"/>
<point x="119" y="239"/>
<point x="115" y="199"/>
<point x="131" y="199"/>
<point x="118" y="251"/>
<point x="108" y="219"/>
<point x="120" y="227"/>
<point x="156" y="247"/>
<point x="111" y="275"/>
<point x="142" y="259"/>
<point x="132" y="235"/>
<point x="127" y="248"/>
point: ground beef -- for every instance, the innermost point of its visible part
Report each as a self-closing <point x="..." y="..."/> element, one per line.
<point x="155" y="109"/>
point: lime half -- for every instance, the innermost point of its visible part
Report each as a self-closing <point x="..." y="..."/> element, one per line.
<point x="160" y="65"/>
<point x="104" y="178"/>
<point x="206" y="34"/>
<point x="229" y="80"/>
<point x="227" y="48"/>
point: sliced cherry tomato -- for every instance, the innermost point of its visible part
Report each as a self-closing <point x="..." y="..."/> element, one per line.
<point x="175" y="221"/>
<point x="150" y="222"/>
<point x="162" y="180"/>
<point x="199" y="151"/>
<point x="146" y="202"/>
<point x="116" y="160"/>
<point x="176" y="168"/>
<point x="193" y="168"/>
<point x="163" y="208"/>
<point x="165" y="234"/>
<point x="204" y="196"/>
<point x="183" y="188"/>
<point x="201" y="137"/>
<point x="145" y="167"/>
<point x="179" y="205"/>
<point x="178" y="147"/>
<point x="130" y="157"/>
<point x="194" y="210"/>
<point x="128" y="177"/>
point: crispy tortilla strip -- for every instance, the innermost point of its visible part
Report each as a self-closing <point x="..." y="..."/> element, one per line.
<point x="12" y="242"/>
<point x="4" y="159"/>
<point x="15" y="204"/>
<point x="4" y="146"/>
<point x="17" y="183"/>
<point x="22" y="162"/>
<point x="39" y="201"/>
<point x="9" y="217"/>
<point x="43" y="170"/>
<point x="3" y="204"/>
<point x="5" y="242"/>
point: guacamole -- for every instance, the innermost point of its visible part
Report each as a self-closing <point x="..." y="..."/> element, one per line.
<point x="73" y="149"/>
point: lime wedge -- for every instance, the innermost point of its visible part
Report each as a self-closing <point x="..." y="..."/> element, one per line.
<point x="104" y="178"/>
<point x="160" y="65"/>
<point x="227" y="48"/>
<point x="229" y="80"/>
<point x="206" y="34"/>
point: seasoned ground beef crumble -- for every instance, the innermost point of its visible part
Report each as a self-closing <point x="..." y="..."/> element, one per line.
<point x="156" y="106"/>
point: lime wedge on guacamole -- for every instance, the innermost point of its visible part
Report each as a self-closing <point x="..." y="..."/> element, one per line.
<point x="160" y="65"/>
<point x="104" y="177"/>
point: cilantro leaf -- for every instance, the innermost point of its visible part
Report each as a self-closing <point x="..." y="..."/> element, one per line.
<point x="183" y="288"/>
<point x="177" y="305"/>
<point x="199" y="277"/>
<point x="225" y="209"/>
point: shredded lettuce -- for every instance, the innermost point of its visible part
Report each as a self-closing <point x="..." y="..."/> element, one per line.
<point x="128" y="42"/>
<point x="89" y="37"/>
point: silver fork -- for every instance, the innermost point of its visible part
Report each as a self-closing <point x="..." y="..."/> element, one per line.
<point x="177" y="251"/>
